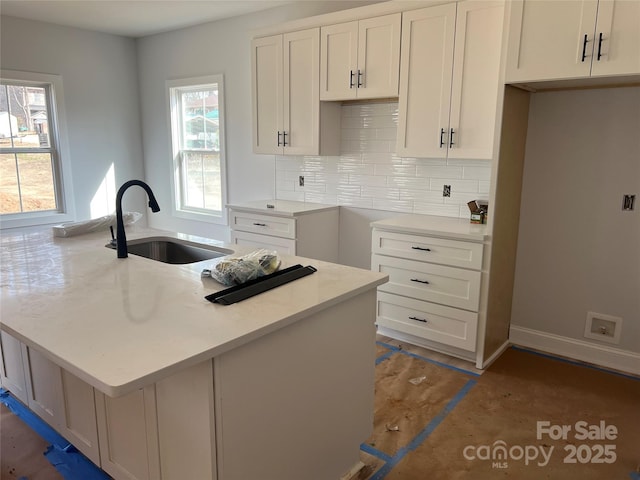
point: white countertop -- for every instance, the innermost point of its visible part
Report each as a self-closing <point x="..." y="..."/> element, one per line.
<point x="446" y="227"/>
<point x="285" y="208"/>
<point x="121" y="324"/>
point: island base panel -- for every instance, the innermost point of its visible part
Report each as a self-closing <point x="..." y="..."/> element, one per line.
<point x="298" y="403"/>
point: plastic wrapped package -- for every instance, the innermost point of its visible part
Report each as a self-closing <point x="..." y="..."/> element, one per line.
<point x="238" y="270"/>
<point x="89" y="226"/>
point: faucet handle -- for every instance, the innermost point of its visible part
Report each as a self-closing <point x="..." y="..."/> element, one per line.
<point x="114" y="241"/>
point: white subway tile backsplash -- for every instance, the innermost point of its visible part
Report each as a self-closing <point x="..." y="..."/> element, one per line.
<point x="368" y="173"/>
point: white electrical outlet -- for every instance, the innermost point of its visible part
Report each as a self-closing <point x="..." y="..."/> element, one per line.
<point x="605" y="328"/>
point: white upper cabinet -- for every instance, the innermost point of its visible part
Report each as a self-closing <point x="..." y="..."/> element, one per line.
<point x="360" y="59"/>
<point x="287" y="113"/>
<point x="448" y="96"/>
<point x="562" y="39"/>
<point x="617" y="38"/>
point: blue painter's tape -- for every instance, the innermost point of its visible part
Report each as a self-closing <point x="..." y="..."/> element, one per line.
<point x="366" y="448"/>
<point x="34" y="422"/>
<point x="435" y="362"/>
<point x="573" y="362"/>
<point x="424" y="434"/>
<point x="71" y="464"/>
<point x="384" y="356"/>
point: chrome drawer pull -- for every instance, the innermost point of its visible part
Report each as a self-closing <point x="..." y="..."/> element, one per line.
<point x="418" y="319"/>
<point x="420" y="248"/>
<point x="260" y="224"/>
<point x="419" y="281"/>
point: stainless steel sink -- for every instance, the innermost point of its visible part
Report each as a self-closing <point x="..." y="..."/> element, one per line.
<point x="174" y="250"/>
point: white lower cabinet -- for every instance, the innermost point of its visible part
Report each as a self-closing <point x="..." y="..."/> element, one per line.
<point x="12" y="367"/>
<point x="291" y="228"/>
<point x="61" y="399"/>
<point x="433" y="293"/>
<point x="128" y="448"/>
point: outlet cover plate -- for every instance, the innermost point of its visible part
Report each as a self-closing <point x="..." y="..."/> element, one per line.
<point x="605" y="328"/>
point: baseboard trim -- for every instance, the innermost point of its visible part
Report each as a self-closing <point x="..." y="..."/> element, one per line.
<point x="601" y="355"/>
<point x="494" y="356"/>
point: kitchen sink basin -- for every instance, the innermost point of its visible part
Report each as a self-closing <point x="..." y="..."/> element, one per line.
<point x="174" y="250"/>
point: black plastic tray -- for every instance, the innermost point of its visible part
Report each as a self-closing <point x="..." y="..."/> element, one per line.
<point x="259" y="285"/>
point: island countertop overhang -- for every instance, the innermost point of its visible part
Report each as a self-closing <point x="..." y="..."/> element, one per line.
<point x="122" y="324"/>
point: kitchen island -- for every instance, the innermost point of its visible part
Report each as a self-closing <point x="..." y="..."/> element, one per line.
<point x="127" y="359"/>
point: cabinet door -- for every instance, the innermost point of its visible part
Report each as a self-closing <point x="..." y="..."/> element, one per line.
<point x="266" y="69"/>
<point x="378" y="56"/>
<point x="12" y="367"/>
<point x="127" y="429"/>
<point x="79" y="424"/>
<point x="425" y="81"/>
<point x="550" y="39"/>
<point x="339" y="61"/>
<point x="301" y="130"/>
<point x="43" y="387"/>
<point x="617" y="40"/>
<point x="476" y="82"/>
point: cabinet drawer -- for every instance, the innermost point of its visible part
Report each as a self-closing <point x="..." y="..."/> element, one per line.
<point x="455" y="287"/>
<point x="281" y="245"/>
<point x="450" y="326"/>
<point x="454" y="253"/>
<point x="264" y="224"/>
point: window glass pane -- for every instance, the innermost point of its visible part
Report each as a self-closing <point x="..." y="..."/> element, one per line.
<point x="24" y="121"/>
<point x="35" y="174"/>
<point x="26" y="183"/>
<point x="202" y="187"/>
<point x="200" y="118"/>
<point x="9" y="192"/>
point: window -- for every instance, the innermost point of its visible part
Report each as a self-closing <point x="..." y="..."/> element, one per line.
<point x="31" y="182"/>
<point x="197" y="124"/>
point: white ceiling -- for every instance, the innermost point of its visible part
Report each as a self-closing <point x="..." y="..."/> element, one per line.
<point x="132" y="18"/>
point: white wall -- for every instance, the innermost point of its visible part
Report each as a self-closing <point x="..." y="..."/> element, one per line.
<point x="577" y="250"/>
<point x="217" y="47"/>
<point x="101" y="104"/>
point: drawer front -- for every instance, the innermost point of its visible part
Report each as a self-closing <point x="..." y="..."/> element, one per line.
<point x="264" y="224"/>
<point x="455" y="287"/>
<point x="280" y="245"/>
<point x="442" y="251"/>
<point x="450" y="326"/>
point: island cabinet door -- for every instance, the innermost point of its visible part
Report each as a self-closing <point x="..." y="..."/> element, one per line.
<point x="78" y="423"/>
<point x="43" y="386"/>
<point x="11" y="367"/>
<point x="128" y="436"/>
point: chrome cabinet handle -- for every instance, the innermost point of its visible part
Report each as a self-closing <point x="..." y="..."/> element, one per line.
<point x="419" y="281"/>
<point x="360" y="79"/>
<point x="260" y="224"/>
<point x="451" y="138"/>
<point x="284" y="139"/>
<point x="441" y="135"/>
<point x="418" y="319"/>
<point x="421" y="249"/>
<point x="279" y="138"/>
<point x="351" y="74"/>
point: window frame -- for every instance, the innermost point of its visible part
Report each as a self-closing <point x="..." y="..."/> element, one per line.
<point x="173" y="88"/>
<point x="60" y="157"/>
